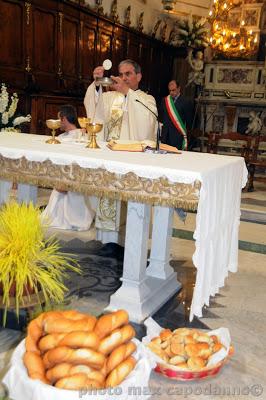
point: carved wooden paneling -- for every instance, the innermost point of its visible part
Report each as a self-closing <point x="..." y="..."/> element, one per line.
<point x="166" y="67"/>
<point x="69" y="55"/>
<point x="119" y="49"/>
<point x="181" y="70"/>
<point x="44" y="35"/>
<point x="44" y="47"/>
<point x="12" y="57"/>
<point x="146" y="65"/>
<point x="81" y="109"/>
<point x="134" y="47"/>
<point x="11" y="45"/>
<point x="70" y="46"/>
<point x="50" y="48"/>
<point x="88" y="55"/>
<point x="45" y="107"/>
<point x="104" y="41"/>
<point x="155" y="86"/>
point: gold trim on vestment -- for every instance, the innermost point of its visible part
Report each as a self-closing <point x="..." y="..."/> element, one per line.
<point x="100" y="182"/>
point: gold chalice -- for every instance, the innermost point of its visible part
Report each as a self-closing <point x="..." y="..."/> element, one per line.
<point x="93" y="128"/>
<point x="83" y="121"/>
<point x="53" y="124"/>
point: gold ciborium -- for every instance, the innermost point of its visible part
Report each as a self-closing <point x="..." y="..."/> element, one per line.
<point x="53" y="124"/>
<point x="93" y="128"/>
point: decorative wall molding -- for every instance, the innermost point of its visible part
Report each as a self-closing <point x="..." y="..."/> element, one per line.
<point x="235" y="85"/>
<point x="235" y="81"/>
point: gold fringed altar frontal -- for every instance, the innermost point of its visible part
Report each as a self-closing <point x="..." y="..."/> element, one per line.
<point x="100" y="182"/>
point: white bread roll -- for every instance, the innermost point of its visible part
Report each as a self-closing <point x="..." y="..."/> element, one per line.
<point x="62" y="370"/>
<point x="90" y="372"/>
<point x="65" y="325"/>
<point x="64" y="354"/>
<point x="80" y="339"/>
<point x="119" y="354"/>
<point x="73" y="314"/>
<point x="49" y="342"/>
<point x="35" y="328"/>
<point x="35" y="366"/>
<point x="77" y="382"/>
<point x="120" y="372"/>
<point x="196" y="363"/>
<point x="107" y="323"/>
<point x="116" y="338"/>
<point x="58" y="371"/>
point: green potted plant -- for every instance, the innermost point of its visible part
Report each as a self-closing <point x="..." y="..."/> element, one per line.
<point x="30" y="262"/>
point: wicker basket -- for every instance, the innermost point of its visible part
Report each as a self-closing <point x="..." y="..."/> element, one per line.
<point x="185" y="375"/>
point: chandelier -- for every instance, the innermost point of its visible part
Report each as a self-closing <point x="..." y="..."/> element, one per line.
<point x="227" y="41"/>
<point x="169" y="5"/>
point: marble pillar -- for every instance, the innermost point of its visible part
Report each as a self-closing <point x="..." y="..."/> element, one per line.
<point x="144" y="290"/>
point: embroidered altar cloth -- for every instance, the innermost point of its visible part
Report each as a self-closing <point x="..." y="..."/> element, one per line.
<point x="218" y="213"/>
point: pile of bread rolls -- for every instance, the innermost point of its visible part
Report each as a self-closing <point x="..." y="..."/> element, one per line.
<point x="75" y="351"/>
<point x="187" y="349"/>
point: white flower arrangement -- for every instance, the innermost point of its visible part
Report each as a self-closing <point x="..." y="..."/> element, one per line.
<point x="8" y="107"/>
<point x="191" y="33"/>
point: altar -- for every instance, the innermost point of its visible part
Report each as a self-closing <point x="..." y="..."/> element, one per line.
<point x="208" y="183"/>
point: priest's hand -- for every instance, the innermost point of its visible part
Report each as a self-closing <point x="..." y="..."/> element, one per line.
<point x="119" y="85"/>
<point x="98" y="72"/>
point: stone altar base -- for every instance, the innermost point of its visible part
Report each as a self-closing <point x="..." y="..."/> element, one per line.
<point x="144" y="290"/>
<point x="144" y="298"/>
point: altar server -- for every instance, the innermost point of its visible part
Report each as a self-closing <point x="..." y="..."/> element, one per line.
<point x="69" y="210"/>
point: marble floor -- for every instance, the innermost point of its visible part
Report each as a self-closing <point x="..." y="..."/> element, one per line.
<point x="240" y="305"/>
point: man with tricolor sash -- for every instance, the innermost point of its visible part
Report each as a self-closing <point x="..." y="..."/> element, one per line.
<point x="176" y="117"/>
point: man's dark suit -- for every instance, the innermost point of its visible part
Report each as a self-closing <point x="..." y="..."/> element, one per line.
<point x="170" y="135"/>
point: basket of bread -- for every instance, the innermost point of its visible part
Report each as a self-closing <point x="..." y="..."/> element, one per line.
<point x="188" y="354"/>
<point x="68" y="353"/>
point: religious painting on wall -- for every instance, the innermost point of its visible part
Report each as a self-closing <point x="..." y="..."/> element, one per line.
<point x="251" y="16"/>
<point x="234" y="19"/>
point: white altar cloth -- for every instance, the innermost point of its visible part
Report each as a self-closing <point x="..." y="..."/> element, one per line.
<point x="217" y="222"/>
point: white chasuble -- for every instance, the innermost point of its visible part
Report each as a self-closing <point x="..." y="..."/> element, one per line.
<point x="124" y="118"/>
<point x="138" y="123"/>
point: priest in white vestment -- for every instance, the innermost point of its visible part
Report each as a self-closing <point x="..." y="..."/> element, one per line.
<point x="120" y="110"/>
<point x="69" y="210"/>
<point x="127" y="113"/>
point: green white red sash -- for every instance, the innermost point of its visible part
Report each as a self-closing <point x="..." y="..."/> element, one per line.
<point x="176" y="119"/>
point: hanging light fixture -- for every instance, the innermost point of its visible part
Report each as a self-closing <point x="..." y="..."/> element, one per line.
<point x="226" y="41"/>
<point x="169" y="5"/>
